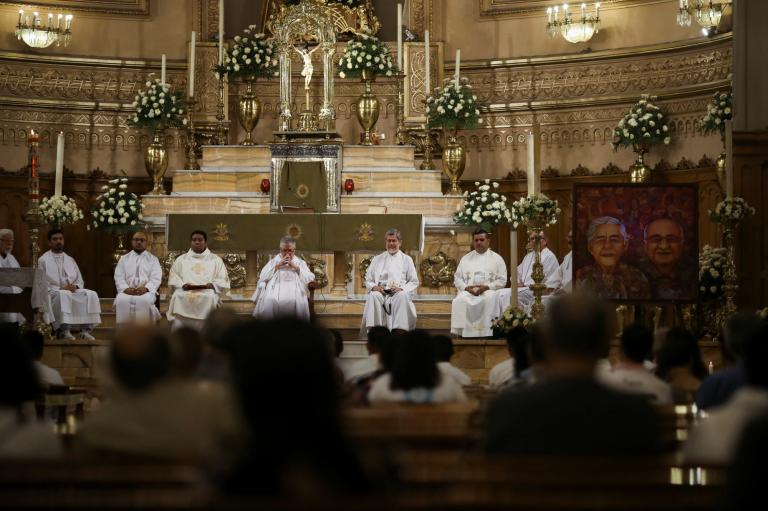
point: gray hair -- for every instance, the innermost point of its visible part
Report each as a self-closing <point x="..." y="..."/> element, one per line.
<point x="645" y="230"/>
<point x="287" y="240"/>
<point x="393" y="232"/>
<point x="6" y="232"/>
<point x="605" y="220"/>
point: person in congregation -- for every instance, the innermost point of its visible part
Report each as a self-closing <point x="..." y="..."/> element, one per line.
<point x="479" y="276"/>
<point x="561" y="281"/>
<point x="443" y="354"/>
<point x="137" y="278"/>
<point x="7" y="260"/>
<point x="35" y="342"/>
<point x="71" y="304"/>
<point x="197" y="278"/>
<point x="377" y="336"/>
<point x="283" y="286"/>
<point x="629" y="374"/>
<point x="679" y="363"/>
<point x="517" y="347"/>
<point x="524" y="274"/>
<point x="582" y="417"/>
<point x="669" y="276"/>
<point x="391" y="281"/>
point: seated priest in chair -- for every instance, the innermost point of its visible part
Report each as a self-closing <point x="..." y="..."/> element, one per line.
<point x="561" y="280"/>
<point x="8" y="261"/>
<point x="524" y="275"/>
<point x="391" y="280"/>
<point x="283" y="285"/>
<point x="72" y="305"/>
<point x="480" y="275"/>
<point x="197" y="278"/>
<point x="137" y="278"/>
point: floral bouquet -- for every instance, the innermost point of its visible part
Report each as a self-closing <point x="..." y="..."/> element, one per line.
<point x="718" y="111"/>
<point x="712" y="263"/>
<point x="116" y="209"/>
<point x="252" y="55"/>
<point x="512" y="317"/>
<point x="644" y="125"/>
<point x="539" y="209"/>
<point x="365" y="53"/>
<point x="158" y="106"/>
<point x="60" y="210"/>
<point x="454" y="108"/>
<point x="483" y="206"/>
<point x="732" y="210"/>
<point x="763" y="313"/>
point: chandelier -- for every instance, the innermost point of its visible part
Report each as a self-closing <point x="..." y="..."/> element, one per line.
<point x="35" y="35"/>
<point x="573" y="30"/>
<point x="706" y="12"/>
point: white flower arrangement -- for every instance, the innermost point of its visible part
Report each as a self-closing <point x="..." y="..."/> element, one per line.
<point x="116" y="209"/>
<point x="644" y="125"/>
<point x="763" y="313"/>
<point x="539" y="209"/>
<point x="732" y="210"/>
<point x="719" y="110"/>
<point x="454" y="107"/>
<point x="156" y="106"/>
<point x="712" y="263"/>
<point x="512" y="317"/>
<point x="60" y="210"/>
<point x="252" y="55"/>
<point x="484" y="206"/>
<point x="366" y="53"/>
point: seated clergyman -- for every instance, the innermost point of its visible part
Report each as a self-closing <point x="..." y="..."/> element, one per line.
<point x="137" y="278"/>
<point x="197" y="278"/>
<point x="8" y="261"/>
<point x="479" y="276"/>
<point x="283" y="285"/>
<point x="391" y="280"/>
<point x="72" y="306"/>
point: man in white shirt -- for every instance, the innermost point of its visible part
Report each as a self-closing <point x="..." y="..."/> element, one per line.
<point x="561" y="281"/>
<point x="8" y="261"/>
<point x="479" y="276"/>
<point x="283" y="287"/>
<point x="71" y="304"/>
<point x="35" y="343"/>
<point x="443" y="354"/>
<point x="377" y="337"/>
<point x="137" y="278"/>
<point x="524" y="275"/>
<point x="391" y="280"/>
<point x="629" y="374"/>
<point x="197" y="278"/>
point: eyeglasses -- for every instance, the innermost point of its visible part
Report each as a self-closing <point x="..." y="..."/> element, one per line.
<point x="671" y="240"/>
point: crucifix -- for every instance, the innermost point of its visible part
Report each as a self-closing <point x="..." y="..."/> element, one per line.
<point x="308" y="69"/>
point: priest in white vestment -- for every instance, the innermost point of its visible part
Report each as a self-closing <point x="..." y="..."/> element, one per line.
<point x="479" y="276"/>
<point x="72" y="306"/>
<point x="391" y="280"/>
<point x="283" y="287"/>
<point x="525" y="297"/>
<point x="8" y="261"/>
<point x="137" y="278"/>
<point x="561" y="280"/>
<point x="197" y="278"/>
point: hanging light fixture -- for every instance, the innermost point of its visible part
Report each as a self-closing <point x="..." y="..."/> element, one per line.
<point x="706" y="12"/>
<point x="572" y="29"/>
<point x="36" y="35"/>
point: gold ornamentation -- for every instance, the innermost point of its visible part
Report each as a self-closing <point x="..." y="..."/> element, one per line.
<point x="156" y="161"/>
<point x="438" y="269"/>
<point x="294" y="230"/>
<point x="221" y="232"/>
<point x="367" y="109"/>
<point x="454" y="161"/>
<point x="363" y="268"/>
<point x="302" y="191"/>
<point x="235" y="264"/>
<point x="318" y="267"/>
<point x="350" y="267"/>
<point x="248" y="112"/>
<point x="365" y="232"/>
<point x="166" y="263"/>
<point x="639" y="172"/>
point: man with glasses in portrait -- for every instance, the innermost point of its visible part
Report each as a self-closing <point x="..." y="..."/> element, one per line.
<point x="663" y="246"/>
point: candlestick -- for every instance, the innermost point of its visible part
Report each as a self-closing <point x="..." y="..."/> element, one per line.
<point x="531" y="164"/>
<point x="426" y="63"/>
<point x="67" y="22"/>
<point x="513" y="264"/>
<point x="58" y="21"/>
<point x="401" y="131"/>
<point x="21" y="16"/>
<point x="729" y="159"/>
<point x="50" y="21"/>
<point x="192" y="162"/>
<point x="549" y="15"/>
<point x="458" y="66"/>
<point x="191" y="78"/>
<point x="221" y="32"/>
<point x="59" y="164"/>
<point x="162" y="70"/>
<point x="597" y="10"/>
<point x="400" y="37"/>
<point x="583" y="11"/>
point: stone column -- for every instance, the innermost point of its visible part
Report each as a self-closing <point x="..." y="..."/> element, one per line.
<point x="750" y="73"/>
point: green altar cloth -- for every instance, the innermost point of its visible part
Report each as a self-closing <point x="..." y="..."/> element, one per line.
<point x="313" y="232"/>
<point x="303" y="185"/>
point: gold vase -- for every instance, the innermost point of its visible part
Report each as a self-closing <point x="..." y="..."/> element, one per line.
<point x="367" y="109"/>
<point x="120" y="250"/>
<point x="156" y="161"/>
<point x="249" y="110"/>
<point x="639" y="172"/>
<point x="454" y="161"/>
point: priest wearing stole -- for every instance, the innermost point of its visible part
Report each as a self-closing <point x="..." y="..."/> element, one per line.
<point x="8" y="261"/>
<point x="391" y="280"/>
<point x="480" y="274"/>
<point x="137" y="278"/>
<point x="283" y="285"/>
<point x="197" y="279"/>
<point x="524" y="275"/>
<point x="71" y="304"/>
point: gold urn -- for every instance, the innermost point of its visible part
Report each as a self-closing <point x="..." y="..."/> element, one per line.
<point x="156" y="160"/>
<point x="249" y="111"/>
<point x="367" y="109"/>
<point x="454" y="161"/>
<point x="120" y="250"/>
<point x="639" y="172"/>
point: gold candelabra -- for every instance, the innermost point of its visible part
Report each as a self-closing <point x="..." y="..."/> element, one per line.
<point x="537" y="274"/>
<point x="401" y="134"/>
<point x="221" y="122"/>
<point x="731" y="286"/>
<point x="192" y="163"/>
<point x="427" y="163"/>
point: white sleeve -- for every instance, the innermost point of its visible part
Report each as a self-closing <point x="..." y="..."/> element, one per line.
<point x="175" y="278"/>
<point x="155" y="276"/>
<point x="78" y="281"/>
<point x="120" y="284"/>
<point x="458" y="278"/>
<point x="305" y="274"/>
<point x="412" y="278"/>
<point x="501" y="274"/>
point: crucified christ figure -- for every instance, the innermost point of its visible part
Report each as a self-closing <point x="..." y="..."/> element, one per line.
<point x="306" y="55"/>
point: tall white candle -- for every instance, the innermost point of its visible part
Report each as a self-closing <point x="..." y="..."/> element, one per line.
<point x="513" y="264"/>
<point x="426" y="63"/>
<point x="531" y="164"/>
<point x="59" y="164"/>
<point x="400" y="37"/>
<point x="536" y="158"/>
<point x="221" y="32"/>
<point x="162" y="70"/>
<point x="458" y="66"/>
<point x="729" y="159"/>
<point x="191" y="79"/>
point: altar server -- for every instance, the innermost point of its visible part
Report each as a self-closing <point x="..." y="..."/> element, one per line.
<point x="481" y="273"/>
<point x="561" y="280"/>
<point x="8" y="261"/>
<point x="391" y="280"/>
<point x="72" y="305"/>
<point x="137" y="278"/>
<point x="525" y="296"/>
<point x="197" y="278"/>
<point x="283" y="285"/>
